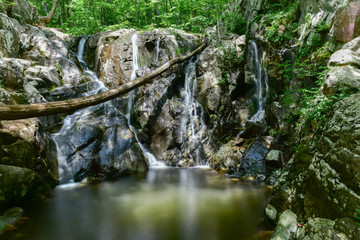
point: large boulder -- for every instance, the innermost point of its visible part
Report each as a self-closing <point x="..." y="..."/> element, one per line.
<point x="10" y="30"/>
<point x="20" y="186"/>
<point x="12" y="72"/>
<point x="101" y="147"/>
<point x="347" y="22"/>
<point x="344" y="73"/>
<point x="23" y="10"/>
<point x="287" y="226"/>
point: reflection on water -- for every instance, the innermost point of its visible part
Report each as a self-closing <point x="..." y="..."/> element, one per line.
<point x="170" y="203"/>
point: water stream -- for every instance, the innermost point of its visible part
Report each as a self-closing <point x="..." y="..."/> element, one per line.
<point x="170" y="203"/>
<point x="192" y="121"/>
<point x="261" y="82"/>
<point x="94" y="86"/>
<point x="153" y="162"/>
<point x="66" y="172"/>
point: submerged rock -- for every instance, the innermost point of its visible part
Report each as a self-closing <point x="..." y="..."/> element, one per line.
<point x="9" y="219"/>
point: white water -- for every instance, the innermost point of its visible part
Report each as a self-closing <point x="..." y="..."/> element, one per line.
<point x="66" y="174"/>
<point x="157" y="49"/>
<point x="261" y="82"/>
<point x="192" y="122"/>
<point x="153" y="162"/>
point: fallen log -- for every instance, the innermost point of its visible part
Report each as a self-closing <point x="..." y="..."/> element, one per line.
<point x="12" y="112"/>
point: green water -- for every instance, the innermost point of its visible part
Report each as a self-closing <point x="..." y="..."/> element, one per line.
<point x="193" y="203"/>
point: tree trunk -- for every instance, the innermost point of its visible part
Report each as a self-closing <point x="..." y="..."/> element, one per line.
<point x="148" y="11"/>
<point x="49" y="17"/>
<point x="11" y="112"/>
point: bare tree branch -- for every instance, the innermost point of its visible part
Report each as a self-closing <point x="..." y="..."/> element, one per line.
<point x="49" y="17"/>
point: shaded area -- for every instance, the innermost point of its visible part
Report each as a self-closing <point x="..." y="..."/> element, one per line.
<point x="169" y="203"/>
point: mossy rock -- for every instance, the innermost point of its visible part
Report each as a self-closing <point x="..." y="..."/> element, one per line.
<point x="20" y="186"/>
<point x="20" y="154"/>
<point x="10" y="218"/>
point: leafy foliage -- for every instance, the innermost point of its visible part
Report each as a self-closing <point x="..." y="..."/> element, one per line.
<point x="231" y="60"/>
<point x="357" y="216"/>
<point x="79" y="17"/>
<point x="279" y="21"/>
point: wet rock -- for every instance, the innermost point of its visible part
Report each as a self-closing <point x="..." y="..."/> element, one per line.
<point x="287" y="226"/>
<point x="274" y="159"/>
<point x="102" y="146"/>
<point x="21" y="185"/>
<point x="228" y="157"/>
<point x="10" y="218"/>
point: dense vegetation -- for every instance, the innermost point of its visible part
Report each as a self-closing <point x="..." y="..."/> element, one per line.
<point x="87" y="17"/>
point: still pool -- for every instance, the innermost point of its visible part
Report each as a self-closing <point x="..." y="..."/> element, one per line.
<point x="169" y="203"/>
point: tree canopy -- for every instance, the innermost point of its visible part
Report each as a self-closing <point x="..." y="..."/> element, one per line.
<point x="79" y="17"/>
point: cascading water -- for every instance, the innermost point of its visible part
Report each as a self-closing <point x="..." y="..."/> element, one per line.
<point x="261" y="82"/>
<point x="192" y="122"/>
<point x="157" y="49"/>
<point x="66" y="169"/>
<point x="94" y="86"/>
<point x="153" y="162"/>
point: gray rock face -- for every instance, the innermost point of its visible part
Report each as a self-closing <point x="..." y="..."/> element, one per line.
<point x="9" y="36"/>
<point x="323" y="181"/>
<point x="25" y="11"/>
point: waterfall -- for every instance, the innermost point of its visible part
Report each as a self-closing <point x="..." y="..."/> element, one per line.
<point x="94" y="86"/>
<point x="192" y="121"/>
<point x="81" y="48"/>
<point x="157" y="49"/>
<point x="261" y="83"/>
<point x="153" y="162"/>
